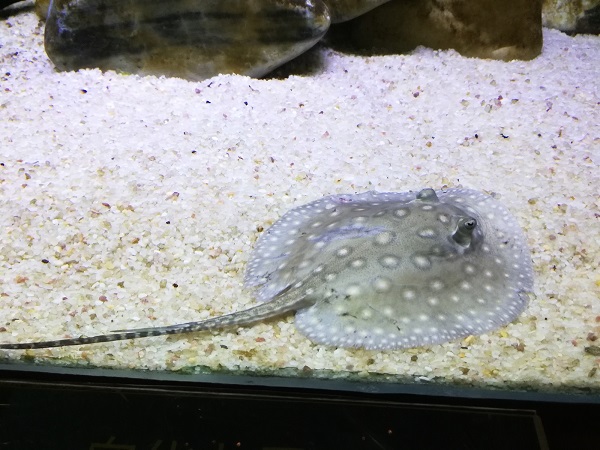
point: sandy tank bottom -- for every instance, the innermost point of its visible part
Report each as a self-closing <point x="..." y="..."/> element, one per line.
<point x="133" y="202"/>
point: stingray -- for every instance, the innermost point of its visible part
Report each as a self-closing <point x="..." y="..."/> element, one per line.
<point x="379" y="270"/>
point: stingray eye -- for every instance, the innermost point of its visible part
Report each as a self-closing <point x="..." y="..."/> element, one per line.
<point x="470" y="224"/>
<point x="464" y="231"/>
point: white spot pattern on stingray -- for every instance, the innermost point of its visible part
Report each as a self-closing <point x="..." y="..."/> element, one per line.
<point x="389" y="261"/>
<point x="421" y="261"/>
<point x="382" y="271"/>
<point x="417" y="265"/>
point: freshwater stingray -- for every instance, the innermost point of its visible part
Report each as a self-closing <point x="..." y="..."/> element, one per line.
<point x="379" y="271"/>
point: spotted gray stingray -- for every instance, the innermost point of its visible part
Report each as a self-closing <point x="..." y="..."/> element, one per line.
<point x="380" y="271"/>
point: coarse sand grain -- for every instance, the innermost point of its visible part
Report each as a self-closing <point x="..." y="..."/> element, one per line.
<point x="129" y="201"/>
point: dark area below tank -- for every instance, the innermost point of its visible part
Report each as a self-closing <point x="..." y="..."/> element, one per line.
<point x="71" y="411"/>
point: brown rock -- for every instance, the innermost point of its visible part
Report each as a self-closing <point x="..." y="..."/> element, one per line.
<point x="192" y="39"/>
<point x="343" y="10"/>
<point x="508" y="29"/>
<point x="41" y="8"/>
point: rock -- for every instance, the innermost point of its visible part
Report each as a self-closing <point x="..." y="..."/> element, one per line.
<point x="8" y="4"/>
<point x="41" y="8"/>
<point x="340" y="10"/>
<point x="343" y="10"/>
<point x="193" y="39"/>
<point x="572" y="16"/>
<point x="509" y="29"/>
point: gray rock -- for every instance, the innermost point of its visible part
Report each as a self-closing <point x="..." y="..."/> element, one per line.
<point x="572" y="16"/>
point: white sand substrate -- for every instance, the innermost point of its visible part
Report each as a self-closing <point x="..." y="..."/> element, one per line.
<point x="130" y="202"/>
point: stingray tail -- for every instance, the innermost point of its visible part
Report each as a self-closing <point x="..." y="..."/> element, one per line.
<point x="281" y="304"/>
